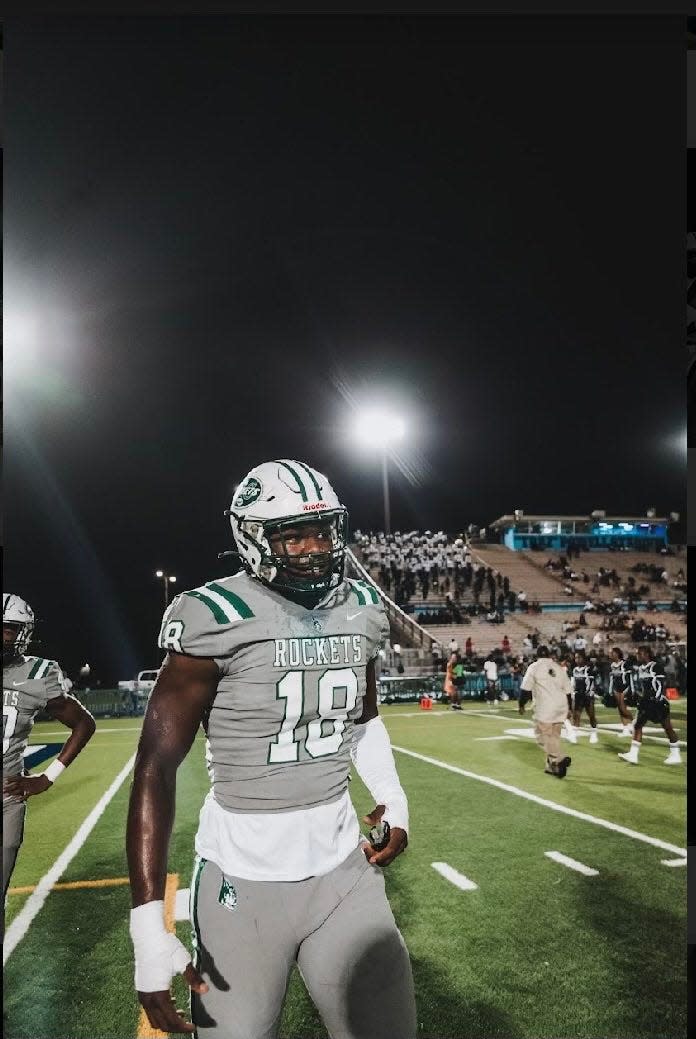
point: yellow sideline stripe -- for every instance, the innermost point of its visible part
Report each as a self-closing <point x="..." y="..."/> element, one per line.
<point x="72" y="885"/>
<point x="145" y="1029"/>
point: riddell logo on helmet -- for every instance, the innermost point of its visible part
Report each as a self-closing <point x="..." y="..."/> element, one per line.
<point x="315" y="506"/>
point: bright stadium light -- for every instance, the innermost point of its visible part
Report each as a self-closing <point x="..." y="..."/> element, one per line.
<point x="159" y="573"/>
<point x="379" y="428"/>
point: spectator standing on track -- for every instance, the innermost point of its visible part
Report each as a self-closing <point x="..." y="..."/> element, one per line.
<point x="468" y="647"/>
<point x="450" y="687"/>
<point x="491" y="671"/>
<point x="549" y="685"/>
<point x="506" y="644"/>
<point x="453" y="645"/>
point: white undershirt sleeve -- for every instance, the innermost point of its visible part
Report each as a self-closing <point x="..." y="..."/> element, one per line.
<point x="374" y="762"/>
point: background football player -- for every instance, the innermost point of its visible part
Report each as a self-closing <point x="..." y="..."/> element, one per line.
<point x="30" y="684"/>
<point x="278" y="665"/>
<point x="653" y="706"/>
<point x="583" y="680"/>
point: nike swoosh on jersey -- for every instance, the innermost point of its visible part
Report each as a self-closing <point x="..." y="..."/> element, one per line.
<point x="352" y="616"/>
<point x="23" y="682"/>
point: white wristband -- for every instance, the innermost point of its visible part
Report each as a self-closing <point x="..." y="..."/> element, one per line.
<point x="55" y="769"/>
<point x="159" y="954"/>
<point x="374" y="762"/>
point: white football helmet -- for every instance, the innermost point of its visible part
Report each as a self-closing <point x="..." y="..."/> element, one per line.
<point x="274" y="497"/>
<point x="18" y="615"/>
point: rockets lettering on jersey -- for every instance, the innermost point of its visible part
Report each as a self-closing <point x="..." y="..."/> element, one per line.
<point x="291" y="687"/>
<point x="308" y="652"/>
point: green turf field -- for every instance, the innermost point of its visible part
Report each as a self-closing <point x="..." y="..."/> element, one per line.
<point x="535" y="950"/>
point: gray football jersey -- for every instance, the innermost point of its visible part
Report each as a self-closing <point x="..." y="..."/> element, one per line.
<point x="291" y="687"/>
<point x="27" y="685"/>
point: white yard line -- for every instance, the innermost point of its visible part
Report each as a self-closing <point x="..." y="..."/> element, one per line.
<point x="181" y="905"/>
<point x="673" y="862"/>
<point x="585" y="816"/>
<point x="486" y="739"/>
<point x="565" y="860"/>
<point x="21" y="923"/>
<point x="607" y="727"/>
<point x="454" y="877"/>
<point x="98" y="731"/>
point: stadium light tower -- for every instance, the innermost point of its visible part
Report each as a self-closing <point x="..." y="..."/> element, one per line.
<point x="379" y="429"/>
<point x="166" y="579"/>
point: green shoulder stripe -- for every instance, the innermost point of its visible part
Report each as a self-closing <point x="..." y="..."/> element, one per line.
<point x="359" y="594"/>
<point x="41" y="666"/>
<point x="218" y="613"/>
<point x="234" y="600"/>
<point x="368" y="593"/>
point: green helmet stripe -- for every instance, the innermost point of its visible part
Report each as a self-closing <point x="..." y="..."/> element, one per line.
<point x="300" y="485"/>
<point x="218" y="613"/>
<point x="313" y="478"/>
<point x="234" y="600"/>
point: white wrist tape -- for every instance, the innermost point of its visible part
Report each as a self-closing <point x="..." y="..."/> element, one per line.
<point x="159" y="954"/>
<point x="55" y="769"/>
<point x="374" y="762"/>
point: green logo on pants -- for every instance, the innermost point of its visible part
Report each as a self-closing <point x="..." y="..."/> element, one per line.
<point x="227" y="896"/>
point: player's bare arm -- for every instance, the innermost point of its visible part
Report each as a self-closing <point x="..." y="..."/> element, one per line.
<point x="183" y="692"/>
<point x="398" y="838"/>
<point x="71" y="713"/>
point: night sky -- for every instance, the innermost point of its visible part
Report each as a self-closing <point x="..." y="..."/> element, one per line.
<point x="222" y="234"/>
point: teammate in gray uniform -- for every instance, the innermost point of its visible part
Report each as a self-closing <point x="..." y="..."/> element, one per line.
<point x="30" y="684"/>
<point x="278" y="665"/>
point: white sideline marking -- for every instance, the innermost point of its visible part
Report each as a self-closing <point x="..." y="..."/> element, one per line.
<point x="454" y="877"/>
<point x="414" y="714"/>
<point x="98" y="732"/>
<point x="673" y="862"/>
<point x="181" y="905"/>
<point x="647" y="731"/>
<point x="635" y="834"/>
<point x="564" y="860"/>
<point x="509" y="736"/>
<point x="21" y="923"/>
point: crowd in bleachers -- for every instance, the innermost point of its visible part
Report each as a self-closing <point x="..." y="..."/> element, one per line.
<point x="413" y="565"/>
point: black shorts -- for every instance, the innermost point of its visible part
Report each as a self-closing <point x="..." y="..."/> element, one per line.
<point x="583" y="700"/>
<point x="652" y="710"/>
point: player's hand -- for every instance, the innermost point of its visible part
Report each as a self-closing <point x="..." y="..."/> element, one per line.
<point x="160" y="1009"/>
<point x="398" y="839"/>
<point x="26" y="786"/>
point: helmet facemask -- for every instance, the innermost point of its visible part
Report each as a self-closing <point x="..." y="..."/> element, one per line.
<point x="267" y="550"/>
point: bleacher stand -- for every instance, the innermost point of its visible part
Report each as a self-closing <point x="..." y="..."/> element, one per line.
<point x="492" y="600"/>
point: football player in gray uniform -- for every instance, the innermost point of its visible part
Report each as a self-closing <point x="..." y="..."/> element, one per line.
<point x="277" y="663"/>
<point x="30" y="684"/>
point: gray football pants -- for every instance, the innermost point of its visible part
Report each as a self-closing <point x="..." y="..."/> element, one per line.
<point x="13" y="813"/>
<point x="338" y="928"/>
